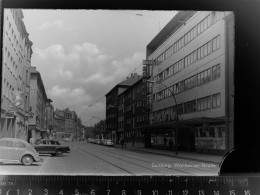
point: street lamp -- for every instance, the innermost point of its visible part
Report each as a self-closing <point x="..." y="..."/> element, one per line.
<point x="177" y="115"/>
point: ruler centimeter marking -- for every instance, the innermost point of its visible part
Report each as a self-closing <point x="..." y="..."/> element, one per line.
<point x="110" y="185"/>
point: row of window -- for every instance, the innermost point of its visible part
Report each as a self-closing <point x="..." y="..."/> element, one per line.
<point x="15" y="39"/>
<point x="136" y="119"/>
<point x="194" y="56"/>
<point x="189" y="36"/>
<point x="8" y="90"/>
<point x="133" y="133"/>
<point x="10" y="63"/>
<point x="189" y="83"/>
<point x="205" y="103"/>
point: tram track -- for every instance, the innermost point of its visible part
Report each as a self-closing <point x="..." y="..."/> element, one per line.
<point x="145" y="167"/>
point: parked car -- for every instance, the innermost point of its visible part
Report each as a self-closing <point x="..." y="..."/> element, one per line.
<point x="109" y="142"/>
<point x="52" y="147"/>
<point x="97" y="141"/>
<point x="67" y="139"/>
<point x="18" y="150"/>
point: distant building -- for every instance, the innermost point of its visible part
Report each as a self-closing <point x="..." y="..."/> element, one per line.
<point x="38" y="102"/>
<point x="193" y="62"/>
<point x="135" y="113"/>
<point x="59" y="124"/>
<point x="15" y="89"/>
<point x="112" y="107"/>
<point x="67" y="124"/>
<point x="49" y="116"/>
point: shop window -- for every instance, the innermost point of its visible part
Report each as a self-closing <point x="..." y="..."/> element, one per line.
<point x="211" y="132"/>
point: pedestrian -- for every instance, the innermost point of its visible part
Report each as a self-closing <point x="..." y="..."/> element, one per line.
<point x="165" y="141"/>
<point x="32" y="141"/>
<point x="122" y="142"/>
<point x="171" y="143"/>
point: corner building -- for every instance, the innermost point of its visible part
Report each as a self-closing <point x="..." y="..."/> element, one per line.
<point x="194" y="56"/>
<point x="15" y="78"/>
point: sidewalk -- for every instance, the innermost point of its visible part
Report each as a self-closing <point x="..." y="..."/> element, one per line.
<point x="207" y="158"/>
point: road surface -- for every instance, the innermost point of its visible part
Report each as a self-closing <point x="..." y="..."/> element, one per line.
<point x="91" y="159"/>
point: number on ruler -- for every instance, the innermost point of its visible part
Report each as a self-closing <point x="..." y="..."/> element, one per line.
<point x="92" y="192"/>
<point x="139" y="192"/>
<point x="155" y="192"/>
<point x="169" y="192"/>
<point x="30" y="192"/>
<point x="123" y="192"/>
<point x="232" y="192"/>
<point x="247" y="192"/>
<point x="201" y="192"/>
<point x="61" y="192"/>
<point x="216" y="192"/>
<point x="77" y="192"/>
<point x="108" y="191"/>
<point x="45" y="191"/>
<point x="185" y="192"/>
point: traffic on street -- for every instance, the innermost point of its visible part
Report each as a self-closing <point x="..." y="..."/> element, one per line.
<point x="92" y="159"/>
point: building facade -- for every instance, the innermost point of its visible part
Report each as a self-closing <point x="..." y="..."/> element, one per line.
<point x="112" y="107"/>
<point x="38" y="102"/>
<point x="193" y="82"/>
<point x="49" y="117"/>
<point x="59" y="124"/>
<point x="15" y="89"/>
<point x="135" y="115"/>
<point x="67" y="124"/>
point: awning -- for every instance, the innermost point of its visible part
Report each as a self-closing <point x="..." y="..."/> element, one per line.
<point x="166" y="126"/>
<point x="37" y="128"/>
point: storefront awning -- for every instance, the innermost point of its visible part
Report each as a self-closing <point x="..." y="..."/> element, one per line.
<point x="37" y="128"/>
<point x="183" y="123"/>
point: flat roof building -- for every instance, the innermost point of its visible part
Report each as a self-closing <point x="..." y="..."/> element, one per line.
<point x="194" y="66"/>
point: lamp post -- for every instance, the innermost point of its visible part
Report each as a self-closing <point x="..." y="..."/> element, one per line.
<point x="177" y="115"/>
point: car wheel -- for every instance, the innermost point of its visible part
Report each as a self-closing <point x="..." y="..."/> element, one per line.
<point x="27" y="160"/>
<point x="59" y="153"/>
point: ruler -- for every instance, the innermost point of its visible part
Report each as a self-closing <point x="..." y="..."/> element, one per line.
<point x="136" y="185"/>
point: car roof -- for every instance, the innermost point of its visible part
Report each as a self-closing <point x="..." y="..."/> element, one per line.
<point x="48" y="139"/>
<point x="13" y="139"/>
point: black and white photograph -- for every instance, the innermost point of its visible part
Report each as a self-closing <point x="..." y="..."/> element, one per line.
<point x="116" y="92"/>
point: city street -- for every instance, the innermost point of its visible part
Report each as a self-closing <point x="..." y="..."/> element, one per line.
<point x="91" y="159"/>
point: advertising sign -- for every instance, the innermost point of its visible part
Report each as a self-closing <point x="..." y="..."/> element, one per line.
<point x="17" y="99"/>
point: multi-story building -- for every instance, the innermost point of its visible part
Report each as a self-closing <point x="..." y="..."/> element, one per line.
<point x="135" y="113"/>
<point x="70" y="122"/>
<point x="112" y="107"/>
<point x="59" y="124"/>
<point x="15" y="89"/>
<point x="38" y="101"/>
<point x="193" y="66"/>
<point x="67" y="124"/>
<point x="49" y="116"/>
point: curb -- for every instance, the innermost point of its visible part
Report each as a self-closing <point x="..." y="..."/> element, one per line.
<point x="175" y="156"/>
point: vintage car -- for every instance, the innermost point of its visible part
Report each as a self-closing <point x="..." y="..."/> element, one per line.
<point x="18" y="150"/>
<point x="52" y="147"/>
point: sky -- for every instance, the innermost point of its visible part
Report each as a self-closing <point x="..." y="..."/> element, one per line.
<point x="83" y="54"/>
